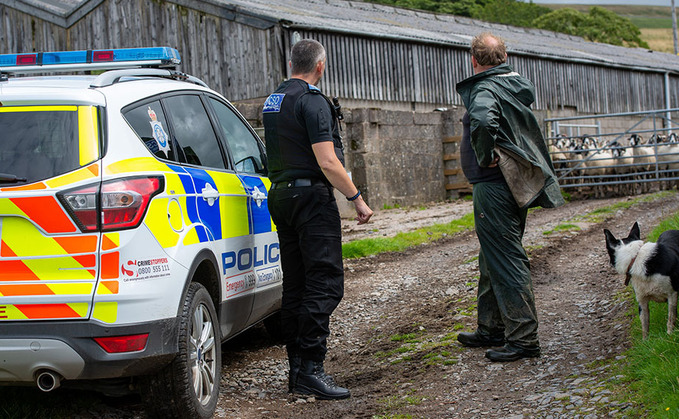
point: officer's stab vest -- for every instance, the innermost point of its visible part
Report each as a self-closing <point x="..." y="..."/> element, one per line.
<point x="287" y="141"/>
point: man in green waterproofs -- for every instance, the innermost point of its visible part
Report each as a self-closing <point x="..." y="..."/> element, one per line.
<point x="505" y="158"/>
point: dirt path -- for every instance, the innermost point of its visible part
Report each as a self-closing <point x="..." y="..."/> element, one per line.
<point x="393" y="336"/>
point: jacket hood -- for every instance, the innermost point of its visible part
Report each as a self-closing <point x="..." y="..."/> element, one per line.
<point x="502" y="75"/>
<point x="498" y="101"/>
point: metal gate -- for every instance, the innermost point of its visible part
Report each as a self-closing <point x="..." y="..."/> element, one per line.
<point x="619" y="153"/>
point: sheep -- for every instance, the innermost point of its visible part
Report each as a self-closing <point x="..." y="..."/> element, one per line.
<point x="599" y="162"/>
<point x="643" y="160"/>
<point x="561" y="152"/>
<point x="668" y="156"/>
<point x="623" y="167"/>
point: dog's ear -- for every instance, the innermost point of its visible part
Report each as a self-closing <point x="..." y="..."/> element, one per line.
<point x="634" y="233"/>
<point x="610" y="238"/>
<point x="611" y="245"/>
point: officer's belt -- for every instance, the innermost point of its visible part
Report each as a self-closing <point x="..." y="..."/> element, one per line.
<point x="297" y="183"/>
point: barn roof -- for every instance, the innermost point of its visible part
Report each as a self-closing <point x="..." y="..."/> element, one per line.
<point x="61" y="12"/>
<point x="374" y="20"/>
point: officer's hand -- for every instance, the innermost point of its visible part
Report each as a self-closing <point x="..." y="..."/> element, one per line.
<point x="363" y="211"/>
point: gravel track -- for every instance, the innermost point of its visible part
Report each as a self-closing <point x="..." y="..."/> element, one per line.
<point x="393" y="336"/>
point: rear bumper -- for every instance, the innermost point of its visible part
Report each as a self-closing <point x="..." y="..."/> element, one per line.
<point x="68" y="349"/>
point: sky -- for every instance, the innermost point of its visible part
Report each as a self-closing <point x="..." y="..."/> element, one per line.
<point x="594" y="2"/>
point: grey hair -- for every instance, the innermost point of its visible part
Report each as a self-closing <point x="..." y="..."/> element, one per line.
<point x="488" y="49"/>
<point x="305" y="55"/>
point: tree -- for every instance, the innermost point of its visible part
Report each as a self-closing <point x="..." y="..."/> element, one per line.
<point x="599" y="25"/>
<point x="508" y="12"/>
<point x="454" y="7"/>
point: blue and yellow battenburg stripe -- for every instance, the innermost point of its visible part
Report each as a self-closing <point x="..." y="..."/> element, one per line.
<point x="258" y="210"/>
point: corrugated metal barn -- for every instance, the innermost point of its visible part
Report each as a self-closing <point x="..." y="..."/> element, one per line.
<point x="376" y="53"/>
<point x="390" y="67"/>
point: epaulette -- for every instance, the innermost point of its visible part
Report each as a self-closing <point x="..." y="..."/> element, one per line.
<point x="314" y="89"/>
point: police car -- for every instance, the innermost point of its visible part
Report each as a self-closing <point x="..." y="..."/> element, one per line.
<point x="134" y="230"/>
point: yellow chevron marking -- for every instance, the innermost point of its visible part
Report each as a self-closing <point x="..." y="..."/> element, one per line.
<point x="80" y="308"/>
<point x="9" y="312"/>
<point x="88" y="132"/>
<point x="26" y="240"/>
<point x="139" y="164"/>
<point x="70" y="178"/>
<point x="71" y="289"/>
<point x="106" y="312"/>
<point x="70" y="108"/>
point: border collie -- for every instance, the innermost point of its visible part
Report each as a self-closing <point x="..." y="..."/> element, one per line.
<point x="652" y="268"/>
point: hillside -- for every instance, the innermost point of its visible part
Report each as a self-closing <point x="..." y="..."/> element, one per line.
<point x="655" y="22"/>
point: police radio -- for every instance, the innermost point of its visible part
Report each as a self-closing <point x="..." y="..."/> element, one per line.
<point x="338" y="111"/>
<point x="338" y="108"/>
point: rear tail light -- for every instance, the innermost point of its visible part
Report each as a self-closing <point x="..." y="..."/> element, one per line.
<point x="124" y="202"/>
<point x="119" y="204"/>
<point x="117" y="344"/>
<point x="82" y="205"/>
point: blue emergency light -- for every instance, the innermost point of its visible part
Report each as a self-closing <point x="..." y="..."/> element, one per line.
<point x="89" y="60"/>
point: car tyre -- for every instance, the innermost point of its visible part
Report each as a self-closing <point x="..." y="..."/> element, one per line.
<point x="189" y="386"/>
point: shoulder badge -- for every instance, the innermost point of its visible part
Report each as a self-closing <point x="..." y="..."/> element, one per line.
<point x="273" y="103"/>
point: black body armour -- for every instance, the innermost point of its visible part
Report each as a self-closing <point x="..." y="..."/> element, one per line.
<point x="295" y="116"/>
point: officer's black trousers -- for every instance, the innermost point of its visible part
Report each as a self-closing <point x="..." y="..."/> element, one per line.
<point x="310" y="235"/>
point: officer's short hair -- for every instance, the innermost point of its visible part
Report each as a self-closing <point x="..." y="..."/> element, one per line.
<point x="489" y="49"/>
<point x="305" y="55"/>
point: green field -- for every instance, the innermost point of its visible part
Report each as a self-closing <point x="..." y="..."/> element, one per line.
<point x="655" y="22"/>
<point x="644" y="22"/>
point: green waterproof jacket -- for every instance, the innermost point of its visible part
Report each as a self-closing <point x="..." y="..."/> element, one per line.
<point x="498" y="101"/>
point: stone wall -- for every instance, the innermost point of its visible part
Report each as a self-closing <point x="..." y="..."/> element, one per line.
<point x="394" y="157"/>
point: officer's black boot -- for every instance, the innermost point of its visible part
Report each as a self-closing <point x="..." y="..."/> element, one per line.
<point x="313" y="380"/>
<point x="295" y="363"/>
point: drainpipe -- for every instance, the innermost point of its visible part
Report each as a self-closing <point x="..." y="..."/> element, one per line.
<point x="668" y="117"/>
<point x="674" y="29"/>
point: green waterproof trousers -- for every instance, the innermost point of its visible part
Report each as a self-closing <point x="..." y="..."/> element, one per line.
<point x="506" y="305"/>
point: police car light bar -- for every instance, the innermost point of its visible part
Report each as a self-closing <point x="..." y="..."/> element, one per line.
<point x="89" y="60"/>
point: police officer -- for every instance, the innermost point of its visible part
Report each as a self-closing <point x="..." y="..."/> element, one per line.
<point x="306" y="161"/>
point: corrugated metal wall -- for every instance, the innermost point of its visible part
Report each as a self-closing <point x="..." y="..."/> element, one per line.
<point x="389" y="70"/>
<point x="592" y="89"/>
<point x="246" y="61"/>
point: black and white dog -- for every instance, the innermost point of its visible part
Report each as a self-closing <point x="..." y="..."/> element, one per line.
<point x="652" y="268"/>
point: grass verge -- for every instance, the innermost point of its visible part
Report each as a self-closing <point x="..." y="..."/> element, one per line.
<point x="402" y="241"/>
<point x="601" y="214"/>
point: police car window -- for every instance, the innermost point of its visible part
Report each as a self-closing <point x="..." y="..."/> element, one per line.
<point x="193" y="131"/>
<point x="39" y="144"/>
<point x="150" y="124"/>
<point x="243" y="144"/>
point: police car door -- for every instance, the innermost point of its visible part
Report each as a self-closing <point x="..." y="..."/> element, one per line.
<point x="247" y="152"/>
<point x="221" y="206"/>
<point x="48" y="223"/>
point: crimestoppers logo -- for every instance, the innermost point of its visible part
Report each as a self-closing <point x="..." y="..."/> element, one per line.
<point x="136" y="270"/>
<point x="129" y="273"/>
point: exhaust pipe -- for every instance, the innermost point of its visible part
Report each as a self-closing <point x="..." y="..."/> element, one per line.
<point x="48" y="381"/>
